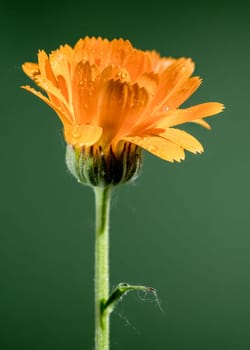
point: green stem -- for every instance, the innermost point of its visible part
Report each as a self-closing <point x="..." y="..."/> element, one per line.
<point x="102" y="203"/>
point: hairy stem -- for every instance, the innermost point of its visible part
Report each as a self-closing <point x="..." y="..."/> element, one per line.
<point x="102" y="205"/>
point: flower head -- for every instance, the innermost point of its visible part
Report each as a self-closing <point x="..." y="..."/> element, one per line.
<point x="109" y="95"/>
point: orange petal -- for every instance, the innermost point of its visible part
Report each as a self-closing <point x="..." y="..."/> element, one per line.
<point x="113" y="104"/>
<point x="150" y="81"/>
<point x="53" y="92"/>
<point x="65" y="118"/>
<point x="160" y="147"/>
<point x="183" y="93"/>
<point x="47" y="74"/>
<point x="42" y="59"/>
<point x="180" y="116"/>
<point x="61" y="60"/>
<point x="31" y="69"/>
<point x="80" y="51"/>
<point x="202" y="122"/>
<point x="64" y="88"/>
<point x="120" y="50"/>
<point x="183" y="139"/>
<point x="115" y="73"/>
<point x="158" y="63"/>
<point x="83" y="92"/>
<point x="172" y="79"/>
<point x="59" y="66"/>
<point x="82" y="135"/>
<point x="120" y="107"/>
<point x="137" y="63"/>
<point x="93" y="50"/>
<point x="102" y="52"/>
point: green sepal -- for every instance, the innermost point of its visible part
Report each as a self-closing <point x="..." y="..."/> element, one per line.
<point x="94" y="167"/>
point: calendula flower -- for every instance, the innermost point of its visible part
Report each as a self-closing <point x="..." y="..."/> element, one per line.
<point x="115" y="100"/>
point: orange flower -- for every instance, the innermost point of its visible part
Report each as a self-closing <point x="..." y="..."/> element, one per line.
<point x="107" y="94"/>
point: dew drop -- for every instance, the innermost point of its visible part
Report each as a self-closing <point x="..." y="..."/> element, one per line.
<point x="76" y="132"/>
<point x="75" y="135"/>
<point x="165" y="109"/>
<point x="152" y="148"/>
<point x="122" y="75"/>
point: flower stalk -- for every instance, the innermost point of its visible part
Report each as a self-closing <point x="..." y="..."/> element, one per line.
<point x="102" y="206"/>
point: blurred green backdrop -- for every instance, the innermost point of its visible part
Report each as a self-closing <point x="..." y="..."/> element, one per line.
<point x="181" y="228"/>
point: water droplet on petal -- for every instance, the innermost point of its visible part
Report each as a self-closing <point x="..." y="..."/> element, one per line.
<point x="152" y="148"/>
<point x="122" y="75"/>
<point x="165" y="109"/>
<point x="76" y="132"/>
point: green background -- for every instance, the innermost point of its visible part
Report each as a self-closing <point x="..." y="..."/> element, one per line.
<point x="181" y="228"/>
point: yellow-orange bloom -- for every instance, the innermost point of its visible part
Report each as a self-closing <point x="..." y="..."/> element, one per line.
<point x="107" y="94"/>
